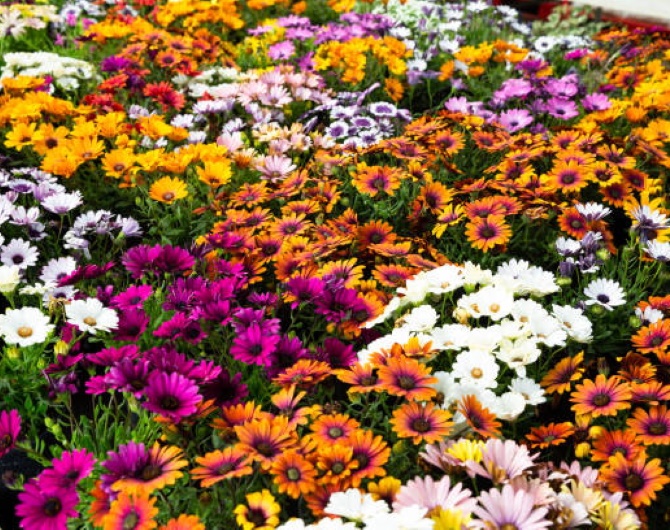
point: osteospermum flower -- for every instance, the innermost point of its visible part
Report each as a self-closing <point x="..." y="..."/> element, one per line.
<point x="68" y="470"/>
<point x="423" y="422"/>
<point x="560" y="377"/>
<point x="370" y="452"/>
<point x="91" y="315"/>
<point x="330" y="428"/>
<point x="602" y="397"/>
<point x="551" y="434"/>
<point x="408" y="378"/>
<point x="293" y="474"/>
<point x="639" y="477"/>
<point x="608" y="443"/>
<point x="131" y="511"/>
<point x="157" y="468"/>
<point x="651" y="427"/>
<point x="265" y="439"/>
<point x="221" y="465"/>
<point x="184" y="522"/>
<point x="427" y="493"/>
<point x="172" y="395"/>
<point x="510" y="508"/>
<point x="654" y="338"/>
<point x="260" y="511"/>
<point x="46" y="509"/>
<point x="25" y="326"/>
<point x="10" y="427"/>
<point x="605" y="293"/>
<point x="486" y="233"/>
<point x="168" y="190"/>
<point x="478" y="418"/>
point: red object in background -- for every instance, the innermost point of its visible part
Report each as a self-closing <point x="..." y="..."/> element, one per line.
<point x="542" y="10"/>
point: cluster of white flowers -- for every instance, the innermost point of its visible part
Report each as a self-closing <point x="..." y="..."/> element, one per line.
<point x="15" y="19"/>
<point x="67" y="73"/>
<point x="353" y="508"/>
<point x="497" y="324"/>
<point x="548" y="43"/>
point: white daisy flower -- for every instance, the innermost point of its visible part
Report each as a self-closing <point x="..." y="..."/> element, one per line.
<point x="548" y="330"/>
<point x="509" y="406"/>
<point x="566" y="246"/>
<point x="477" y="368"/>
<point x="474" y="274"/>
<point x="605" y="293"/>
<point x="526" y="311"/>
<point x="483" y="339"/>
<point x="450" y="337"/>
<point x="443" y="279"/>
<point x="491" y="301"/>
<point x="446" y="385"/>
<point x="574" y="323"/>
<point x="91" y="315"/>
<point x="422" y="318"/>
<point x="354" y="505"/>
<point x="649" y="315"/>
<point x="25" y="326"/>
<point x="10" y="277"/>
<point x="407" y="518"/>
<point x="517" y="354"/>
<point x="658" y="250"/>
<point x="57" y="269"/>
<point x="532" y="392"/>
<point x="20" y="253"/>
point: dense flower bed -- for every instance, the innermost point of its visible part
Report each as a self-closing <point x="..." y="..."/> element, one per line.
<point x="332" y="264"/>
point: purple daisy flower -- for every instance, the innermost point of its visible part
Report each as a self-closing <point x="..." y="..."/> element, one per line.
<point x="46" y="509"/>
<point x="133" y="297"/>
<point x="281" y="51"/>
<point x="10" y="426"/>
<point x="127" y="376"/>
<point x="254" y="346"/>
<point x="171" y="395"/>
<point x="289" y="350"/>
<point x="515" y="119"/>
<point x="132" y="323"/>
<point x="173" y="259"/>
<point x="68" y="470"/>
<point x="225" y="390"/>
<point x="126" y="462"/>
<point x="562" y="109"/>
<point x="595" y="102"/>
<point x="111" y="356"/>
<point x="336" y="353"/>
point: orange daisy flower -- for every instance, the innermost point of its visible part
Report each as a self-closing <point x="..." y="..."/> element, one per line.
<point x="566" y="176"/>
<point x="362" y="377"/>
<point x="560" y="377"/>
<point x="435" y="196"/>
<point x="654" y="338"/>
<point x="335" y="464"/>
<point x="640" y="478"/>
<point x="651" y="427"/>
<point x="168" y="190"/>
<point x="552" y="434"/>
<point x="184" y="522"/>
<point x="393" y="275"/>
<point x="371" y="180"/>
<point x="480" y="419"/>
<point x="485" y="234"/>
<point x="221" y="465"/>
<point x="386" y="489"/>
<point x="602" y="397"/>
<point x="131" y="511"/>
<point x="261" y="512"/>
<point x="294" y="474"/>
<point x="609" y="443"/>
<point x="161" y="469"/>
<point x="371" y="452"/>
<point x="264" y="440"/>
<point x="423" y="422"/>
<point x="408" y="378"/>
<point x="331" y="428"/>
<point x="375" y="233"/>
<point x="304" y="374"/>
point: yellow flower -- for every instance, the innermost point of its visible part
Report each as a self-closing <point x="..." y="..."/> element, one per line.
<point x="168" y="190"/>
<point x="20" y="136"/>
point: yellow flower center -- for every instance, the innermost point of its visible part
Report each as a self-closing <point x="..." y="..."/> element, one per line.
<point x="90" y="321"/>
<point x="24" y="332"/>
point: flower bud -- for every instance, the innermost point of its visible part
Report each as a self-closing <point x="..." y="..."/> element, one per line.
<point x="603" y="254"/>
<point x="563" y="281"/>
<point x="597" y="309"/>
<point x="635" y="322"/>
<point x="398" y="447"/>
<point x="582" y="450"/>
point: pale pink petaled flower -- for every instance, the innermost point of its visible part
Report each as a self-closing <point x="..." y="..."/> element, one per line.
<point x="427" y="493"/>
<point x="274" y="77"/>
<point x="510" y="509"/>
<point x="251" y="92"/>
<point x="225" y="91"/>
<point x="587" y="475"/>
<point x="277" y="96"/>
<point x="276" y="167"/>
<point x="539" y="489"/>
<point x="231" y="141"/>
<point x="279" y="146"/>
<point x="502" y="461"/>
<point x="436" y="454"/>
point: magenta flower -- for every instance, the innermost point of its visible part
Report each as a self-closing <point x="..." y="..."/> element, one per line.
<point x="171" y="395"/>
<point x="510" y="509"/>
<point x="111" y="356"/>
<point x="225" y="390"/>
<point x="46" y="509"/>
<point x="68" y="470"/>
<point x="281" y="51"/>
<point x="595" y="102"/>
<point x="10" y="426"/>
<point x="132" y="323"/>
<point x="515" y="119"/>
<point x="133" y="297"/>
<point x="563" y="109"/>
<point x="129" y="459"/>
<point x="254" y="346"/>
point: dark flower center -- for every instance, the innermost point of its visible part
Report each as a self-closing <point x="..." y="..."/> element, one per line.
<point x="135" y="300"/>
<point x="487" y="232"/>
<point x="362" y="460"/>
<point x="17" y="259"/>
<point x="256" y="516"/>
<point x="421" y="425"/>
<point x="170" y="403"/>
<point x="601" y="400"/>
<point x="406" y="382"/>
<point x="131" y="520"/>
<point x="376" y="238"/>
<point x="225" y="469"/>
<point x="293" y="474"/>
<point x="603" y="298"/>
<point x="378" y="183"/>
<point x="52" y="507"/>
<point x="119" y="167"/>
<point x="338" y="467"/>
<point x="151" y="472"/>
<point x="633" y="482"/>
<point x="658" y="428"/>
<point x="569" y="178"/>
<point x="265" y="449"/>
<point x="656" y="341"/>
<point x="368" y="380"/>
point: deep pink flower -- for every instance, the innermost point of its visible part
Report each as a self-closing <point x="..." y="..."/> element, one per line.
<point x="68" y="470"/>
<point x="46" y="509"/>
<point x="171" y="395"/>
<point x="10" y="426"/>
<point x="254" y="346"/>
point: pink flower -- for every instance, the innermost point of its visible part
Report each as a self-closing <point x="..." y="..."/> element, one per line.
<point x="46" y="509"/>
<point x="427" y="493"/>
<point x="501" y="461"/>
<point x="510" y="509"/>
<point x="276" y="167"/>
<point x="10" y="426"/>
